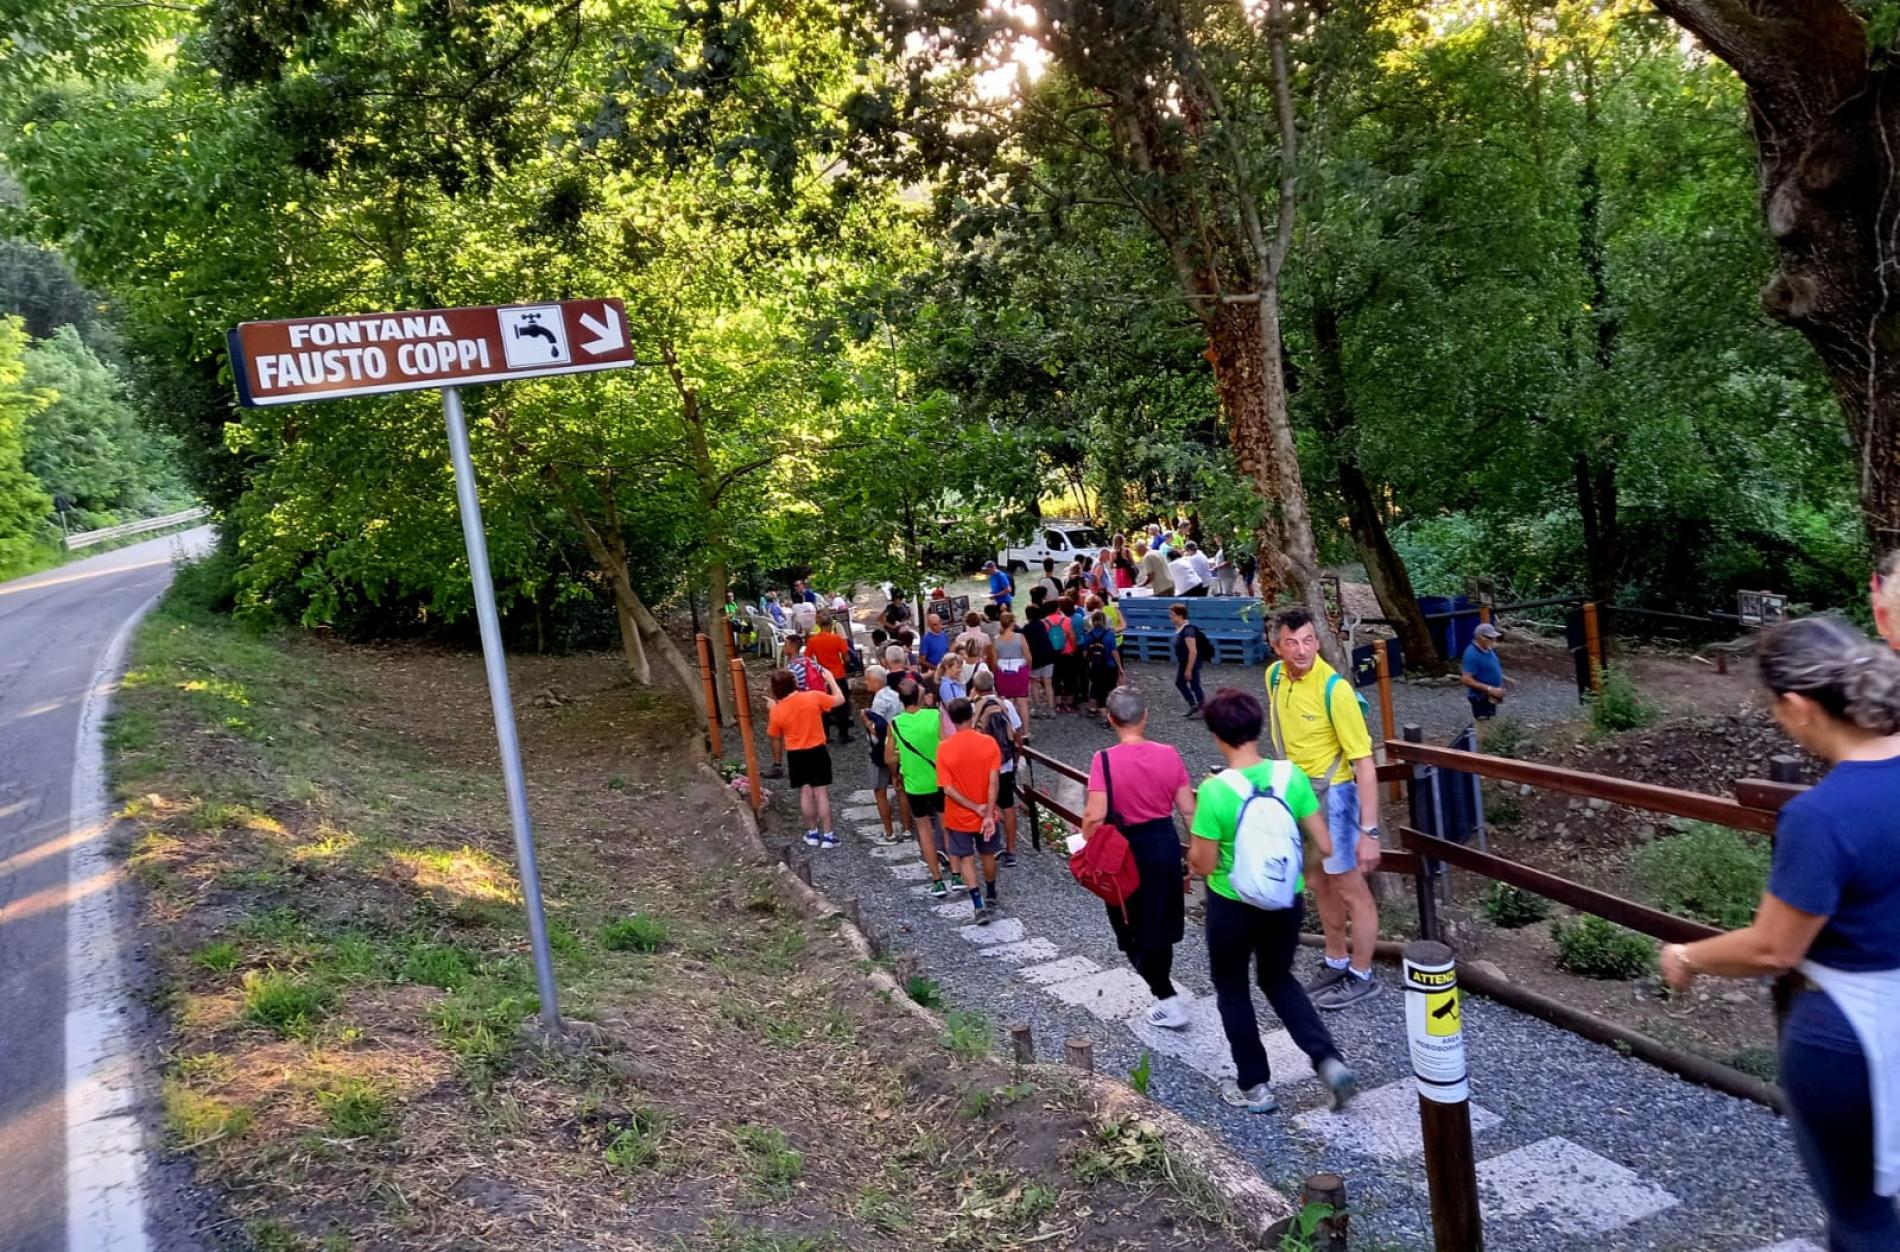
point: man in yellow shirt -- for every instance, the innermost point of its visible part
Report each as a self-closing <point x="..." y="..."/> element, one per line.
<point x="1314" y="720"/>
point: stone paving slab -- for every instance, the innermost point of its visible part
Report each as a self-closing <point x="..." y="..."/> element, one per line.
<point x="1058" y="971"/>
<point x="1025" y="950"/>
<point x="1383" y="1123"/>
<point x="1114" y="995"/>
<point x="1202" y="1046"/>
<point x="1567" y="1186"/>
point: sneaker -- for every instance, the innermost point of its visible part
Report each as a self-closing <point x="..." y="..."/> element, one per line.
<point x="1007" y="860"/>
<point x="1345" y="993"/>
<point x="1171" y="1013"/>
<point x="983" y="916"/>
<point x="828" y="840"/>
<point x="1193" y="712"/>
<point x="937" y="890"/>
<point x="811" y="839"/>
<point x="1326" y="977"/>
<point x="1340" y="1081"/>
<point x="891" y="836"/>
<point x="1255" y="1099"/>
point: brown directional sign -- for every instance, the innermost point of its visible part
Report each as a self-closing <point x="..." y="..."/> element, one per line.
<point x="359" y="354"/>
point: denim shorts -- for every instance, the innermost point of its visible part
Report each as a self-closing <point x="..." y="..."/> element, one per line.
<point x="1342" y="822"/>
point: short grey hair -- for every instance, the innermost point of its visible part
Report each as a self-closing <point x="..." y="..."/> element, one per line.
<point x="876" y="673"/>
<point x="896" y="657"/>
<point x="1126" y="707"/>
<point x="984" y="681"/>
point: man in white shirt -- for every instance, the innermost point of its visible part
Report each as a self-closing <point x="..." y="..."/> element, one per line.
<point x="1187" y="580"/>
<point x="1202" y="567"/>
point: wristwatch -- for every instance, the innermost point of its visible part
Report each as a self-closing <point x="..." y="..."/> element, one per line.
<point x="1369" y="832"/>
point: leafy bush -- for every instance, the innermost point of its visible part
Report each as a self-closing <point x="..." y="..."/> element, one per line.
<point x="1508" y="907"/>
<point x="1143" y="1073"/>
<point x="639" y="933"/>
<point x="967" y="1034"/>
<point x="1595" y="948"/>
<point x="1710" y="873"/>
<point x="924" y="990"/>
<point x="1504" y="737"/>
<point x="1617" y="706"/>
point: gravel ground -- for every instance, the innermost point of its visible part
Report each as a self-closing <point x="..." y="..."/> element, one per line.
<point x="1709" y="1151"/>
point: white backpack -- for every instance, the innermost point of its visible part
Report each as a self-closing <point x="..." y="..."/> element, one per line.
<point x="1266" y="869"/>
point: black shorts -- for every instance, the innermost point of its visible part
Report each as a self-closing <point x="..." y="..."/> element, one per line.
<point x="972" y="842"/>
<point x="1006" y="790"/>
<point x="925" y="805"/>
<point x="808" y="767"/>
<point x="1482" y="707"/>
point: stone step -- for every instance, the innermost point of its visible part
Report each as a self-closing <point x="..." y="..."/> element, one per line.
<point x="1202" y="1045"/>
<point x="910" y="871"/>
<point x="1000" y="930"/>
<point x="859" y="813"/>
<point x="1025" y="950"/>
<point x="1114" y="995"/>
<point x="1058" y="971"/>
<point x="1382" y="1123"/>
<point x="1567" y="1186"/>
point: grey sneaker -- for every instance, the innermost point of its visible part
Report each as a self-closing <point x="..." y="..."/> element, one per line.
<point x="1326" y="977"/>
<point x="1345" y="993"/>
<point x="1340" y="1081"/>
<point x="1255" y="1099"/>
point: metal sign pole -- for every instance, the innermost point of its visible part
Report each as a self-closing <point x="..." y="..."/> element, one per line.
<point x="496" y="664"/>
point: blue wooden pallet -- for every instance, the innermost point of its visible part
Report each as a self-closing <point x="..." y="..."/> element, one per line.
<point x="1235" y="625"/>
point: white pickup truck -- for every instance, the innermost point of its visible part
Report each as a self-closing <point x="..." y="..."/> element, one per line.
<point x="1063" y="541"/>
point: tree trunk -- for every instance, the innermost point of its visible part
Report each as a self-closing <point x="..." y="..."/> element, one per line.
<point x="1385" y="569"/>
<point x="1826" y="135"/>
<point x="1595" y="463"/>
<point x="1602" y="536"/>
<point x="717" y="582"/>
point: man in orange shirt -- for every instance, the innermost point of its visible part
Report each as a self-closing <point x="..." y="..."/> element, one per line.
<point x="968" y="768"/>
<point x="798" y="717"/>
<point x="827" y="647"/>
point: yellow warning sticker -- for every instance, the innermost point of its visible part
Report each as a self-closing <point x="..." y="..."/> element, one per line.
<point x="1441" y="1012"/>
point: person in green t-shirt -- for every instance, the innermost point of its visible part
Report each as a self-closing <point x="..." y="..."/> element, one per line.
<point x="911" y="752"/>
<point x="1239" y="935"/>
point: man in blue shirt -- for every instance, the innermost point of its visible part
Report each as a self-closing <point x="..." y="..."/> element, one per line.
<point x="931" y="648"/>
<point x="1483" y="673"/>
<point x="1001" y="588"/>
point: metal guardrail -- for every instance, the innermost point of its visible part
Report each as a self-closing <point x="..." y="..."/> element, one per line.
<point x="85" y="539"/>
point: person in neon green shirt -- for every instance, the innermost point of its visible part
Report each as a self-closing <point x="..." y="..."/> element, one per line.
<point x="1314" y="721"/>
<point x="1239" y="933"/>
<point x="910" y="750"/>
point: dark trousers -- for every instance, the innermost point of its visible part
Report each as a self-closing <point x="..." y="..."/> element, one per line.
<point x="1189" y="685"/>
<point x="1157" y="912"/>
<point x="1239" y="935"/>
<point x="839" y="719"/>
<point x="1196" y="591"/>
<point x="1830" y="1107"/>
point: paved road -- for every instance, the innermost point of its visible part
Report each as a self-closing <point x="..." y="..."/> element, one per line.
<point x="70" y="1158"/>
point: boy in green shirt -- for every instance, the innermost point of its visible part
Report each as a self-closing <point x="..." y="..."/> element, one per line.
<point x="1240" y="934"/>
<point x="911" y="752"/>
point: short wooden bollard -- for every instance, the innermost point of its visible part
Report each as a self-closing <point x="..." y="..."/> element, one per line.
<point x="1721" y="661"/>
<point x="1023" y="1043"/>
<point x="712" y="698"/>
<point x="852" y="912"/>
<point x="1329" y="1189"/>
<point x="1434" y="1027"/>
<point x="1784" y="769"/>
<point x="1080" y="1054"/>
<point x="743" y="698"/>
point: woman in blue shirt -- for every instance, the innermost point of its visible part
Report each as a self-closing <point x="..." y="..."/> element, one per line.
<point x="1832" y="911"/>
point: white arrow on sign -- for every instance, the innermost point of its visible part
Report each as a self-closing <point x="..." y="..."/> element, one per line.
<point x="607" y="335"/>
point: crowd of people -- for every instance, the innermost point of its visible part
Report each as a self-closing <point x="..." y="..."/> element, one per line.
<point x="948" y="716"/>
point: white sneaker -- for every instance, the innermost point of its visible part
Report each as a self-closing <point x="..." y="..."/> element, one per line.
<point x="1171" y="1012"/>
<point x="1257" y="1099"/>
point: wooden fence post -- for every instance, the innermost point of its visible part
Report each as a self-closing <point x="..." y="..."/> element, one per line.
<point x="1385" y="706"/>
<point x="1435" y="1031"/>
<point x="743" y="698"/>
<point x="1593" y="645"/>
<point x="712" y="697"/>
<point x="1080" y="1053"/>
<point x="1422" y="881"/>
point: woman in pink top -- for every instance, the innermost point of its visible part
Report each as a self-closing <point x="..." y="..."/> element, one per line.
<point x="1138" y="786"/>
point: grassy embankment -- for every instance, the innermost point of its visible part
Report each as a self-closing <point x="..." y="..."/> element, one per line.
<point x="322" y="843"/>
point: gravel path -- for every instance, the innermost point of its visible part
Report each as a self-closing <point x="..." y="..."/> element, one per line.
<point x="1580" y="1148"/>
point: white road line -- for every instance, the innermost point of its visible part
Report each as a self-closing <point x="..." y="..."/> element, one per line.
<point x="105" y="1152"/>
<point x="1383" y="1123"/>
<point x="860" y="813"/>
<point x="956" y="911"/>
<point x="894" y="852"/>
<point x="861" y="797"/>
<point x="910" y="871"/>
<point x="1569" y="1186"/>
